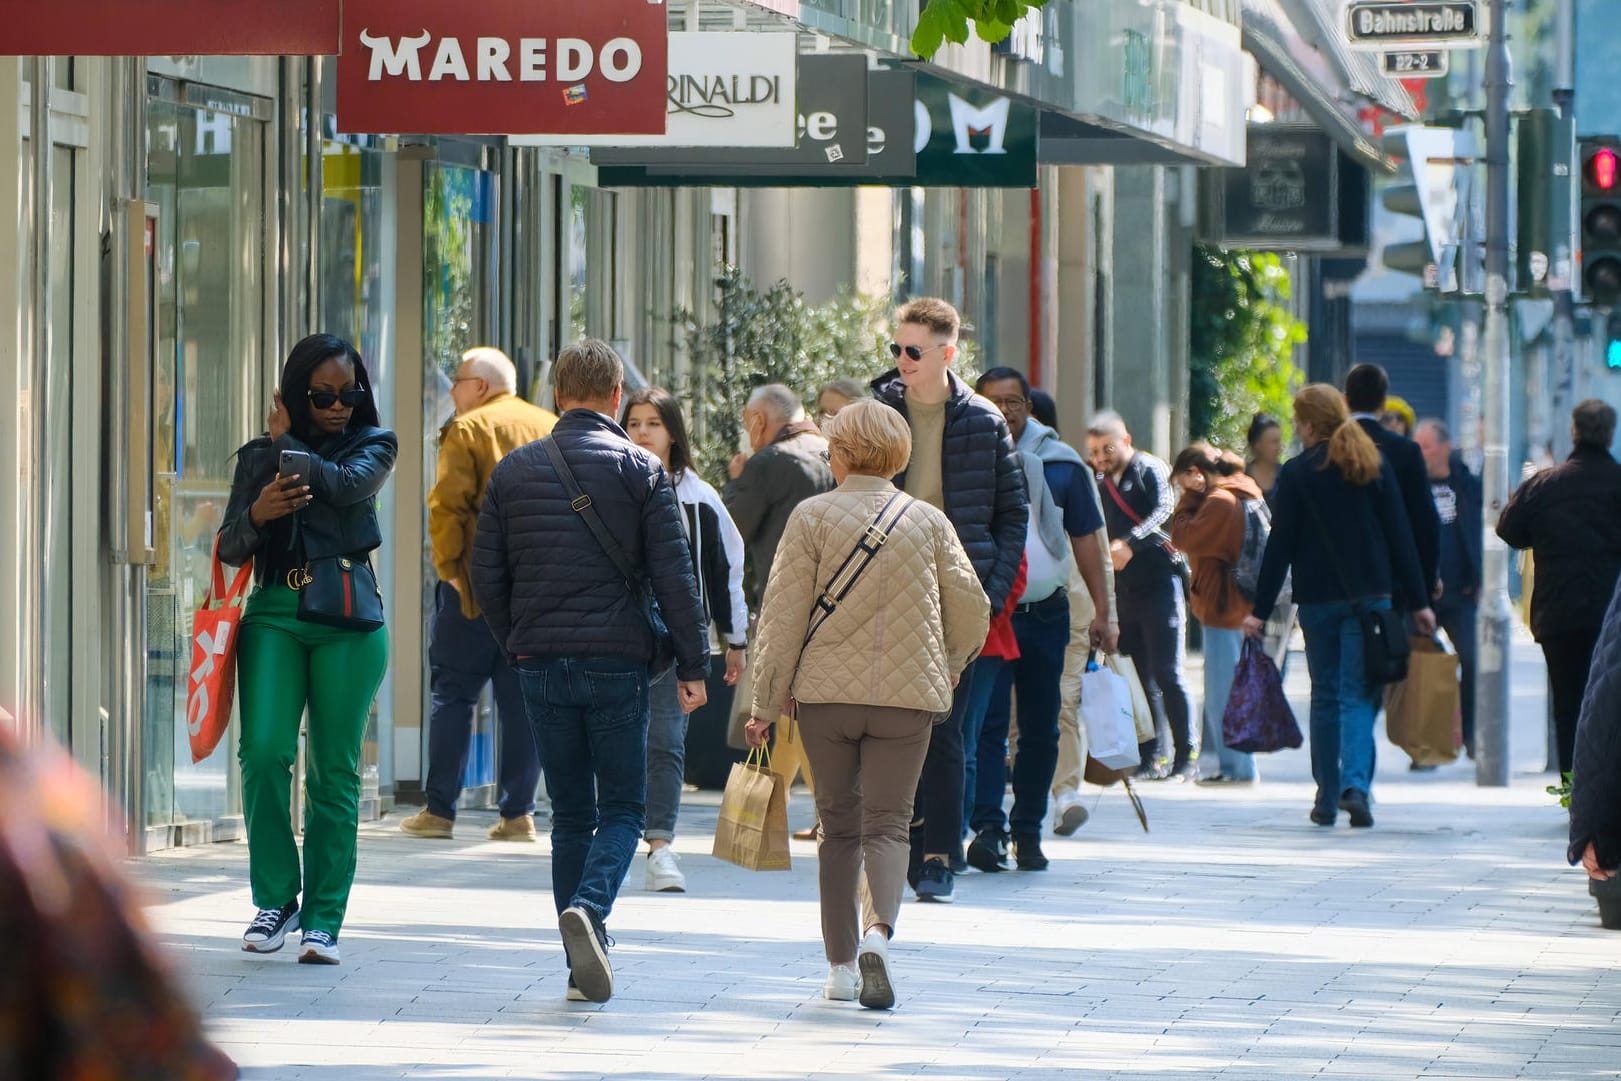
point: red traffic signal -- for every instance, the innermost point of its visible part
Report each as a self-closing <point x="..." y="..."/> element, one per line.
<point x="1603" y="169"/>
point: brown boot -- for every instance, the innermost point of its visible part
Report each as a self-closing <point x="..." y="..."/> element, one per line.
<point x="427" y="824"/>
<point x="521" y="828"/>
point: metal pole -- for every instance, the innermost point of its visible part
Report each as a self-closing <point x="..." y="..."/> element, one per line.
<point x="1492" y="723"/>
<point x="1563" y="375"/>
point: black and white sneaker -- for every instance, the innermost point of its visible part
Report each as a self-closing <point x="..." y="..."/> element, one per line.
<point x="318" y="948"/>
<point x="270" y="928"/>
<point x="585" y="941"/>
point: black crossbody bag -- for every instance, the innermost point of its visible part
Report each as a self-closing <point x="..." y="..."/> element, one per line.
<point x="635" y="580"/>
<point x="1385" y="649"/>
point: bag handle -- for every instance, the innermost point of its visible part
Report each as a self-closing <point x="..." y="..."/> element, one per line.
<point x="760" y="756"/>
<point x="216" y="589"/>
<point x="580" y="504"/>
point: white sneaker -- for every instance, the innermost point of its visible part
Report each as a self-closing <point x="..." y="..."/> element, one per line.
<point x="1069" y="813"/>
<point x="318" y="948"/>
<point x="843" y="983"/>
<point x="663" y="874"/>
<point x="877" y="987"/>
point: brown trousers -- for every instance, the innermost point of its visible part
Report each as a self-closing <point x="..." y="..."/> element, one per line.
<point x="867" y="761"/>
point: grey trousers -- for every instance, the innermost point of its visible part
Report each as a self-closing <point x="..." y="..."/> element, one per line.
<point x="867" y="760"/>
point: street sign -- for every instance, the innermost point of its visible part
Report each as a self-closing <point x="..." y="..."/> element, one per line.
<point x="1380" y="25"/>
<point x="1418" y="64"/>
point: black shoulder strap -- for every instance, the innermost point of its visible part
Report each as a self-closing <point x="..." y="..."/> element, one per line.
<point x="839" y="585"/>
<point x="580" y="503"/>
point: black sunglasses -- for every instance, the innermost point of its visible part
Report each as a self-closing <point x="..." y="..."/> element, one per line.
<point x="914" y="351"/>
<point x="325" y="399"/>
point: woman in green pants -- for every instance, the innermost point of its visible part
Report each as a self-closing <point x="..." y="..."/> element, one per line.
<point x="302" y="528"/>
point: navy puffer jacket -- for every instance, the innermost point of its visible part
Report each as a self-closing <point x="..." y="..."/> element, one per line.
<point x="546" y="586"/>
<point x="1595" y="797"/>
<point x="985" y="492"/>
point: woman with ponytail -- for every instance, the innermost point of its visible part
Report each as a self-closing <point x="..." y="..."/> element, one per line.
<point x="1338" y="526"/>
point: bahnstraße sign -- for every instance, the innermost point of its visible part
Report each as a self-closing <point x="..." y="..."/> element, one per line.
<point x="1381" y="25"/>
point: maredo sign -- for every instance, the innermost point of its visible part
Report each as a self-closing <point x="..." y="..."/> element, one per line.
<point x="496" y="67"/>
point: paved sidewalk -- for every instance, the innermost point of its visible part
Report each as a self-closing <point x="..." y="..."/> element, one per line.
<point x="1235" y="941"/>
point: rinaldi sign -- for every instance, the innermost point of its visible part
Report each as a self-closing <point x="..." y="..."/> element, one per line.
<point x="169" y="28"/>
<point x="1379" y="25"/>
<point x="502" y="67"/>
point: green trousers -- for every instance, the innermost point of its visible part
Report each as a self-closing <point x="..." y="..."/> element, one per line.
<point x="284" y="666"/>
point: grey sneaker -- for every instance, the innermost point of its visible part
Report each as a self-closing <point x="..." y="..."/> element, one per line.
<point x="934" y="882"/>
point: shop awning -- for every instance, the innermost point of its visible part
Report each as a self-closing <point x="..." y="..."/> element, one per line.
<point x="1325" y="83"/>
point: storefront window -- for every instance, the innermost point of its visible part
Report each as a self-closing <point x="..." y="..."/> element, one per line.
<point x="206" y="175"/>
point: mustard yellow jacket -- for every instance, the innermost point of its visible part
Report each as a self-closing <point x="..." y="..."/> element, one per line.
<point x="470" y="447"/>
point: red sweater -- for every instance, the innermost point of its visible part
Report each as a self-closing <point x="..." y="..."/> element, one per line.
<point x="1000" y="641"/>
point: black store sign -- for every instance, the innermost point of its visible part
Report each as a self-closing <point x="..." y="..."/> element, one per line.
<point x="1297" y="193"/>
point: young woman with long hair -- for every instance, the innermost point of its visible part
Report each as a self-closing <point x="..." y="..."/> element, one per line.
<point x="1339" y="527"/>
<point x="653" y="420"/>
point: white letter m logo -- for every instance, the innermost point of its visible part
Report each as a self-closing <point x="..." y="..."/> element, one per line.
<point x="968" y="121"/>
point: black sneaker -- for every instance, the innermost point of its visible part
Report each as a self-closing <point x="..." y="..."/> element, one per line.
<point x="318" y="948"/>
<point x="957" y="863"/>
<point x="1322" y="817"/>
<point x="988" y="851"/>
<point x="270" y="928"/>
<point x="1354" y="802"/>
<point x="934" y="882"/>
<point x="585" y="942"/>
<point x="1027" y="854"/>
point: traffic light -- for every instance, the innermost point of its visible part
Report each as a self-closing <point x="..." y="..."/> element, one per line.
<point x="1612" y="342"/>
<point x="1600" y="158"/>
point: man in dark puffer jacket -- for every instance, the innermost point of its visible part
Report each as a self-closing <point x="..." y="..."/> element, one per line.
<point x="580" y="639"/>
<point x="1595" y="797"/>
<point x="964" y="463"/>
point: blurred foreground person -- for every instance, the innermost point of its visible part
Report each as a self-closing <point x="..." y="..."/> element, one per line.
<point x="83" y="994"/>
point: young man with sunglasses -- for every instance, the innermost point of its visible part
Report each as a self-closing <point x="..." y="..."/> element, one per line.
<point x="491" y="422"/>
<point x="963" y="463"/>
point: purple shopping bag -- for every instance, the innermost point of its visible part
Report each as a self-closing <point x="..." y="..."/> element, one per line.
<point x="1258" y="718"/>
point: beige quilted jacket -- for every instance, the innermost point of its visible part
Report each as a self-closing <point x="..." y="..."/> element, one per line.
<point x="913" y="620"/>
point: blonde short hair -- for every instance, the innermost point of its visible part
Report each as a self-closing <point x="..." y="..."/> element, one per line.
<point x="872" y="438"/>
<point x="932" y="312"/>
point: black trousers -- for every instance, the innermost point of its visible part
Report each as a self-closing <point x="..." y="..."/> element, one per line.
<point x="937" y="811"/>
<point x="1569" y="656"/>
<point x="1153" y="633"/>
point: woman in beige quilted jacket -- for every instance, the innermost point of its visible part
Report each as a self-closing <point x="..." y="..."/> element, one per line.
<point x="872" y="681"/>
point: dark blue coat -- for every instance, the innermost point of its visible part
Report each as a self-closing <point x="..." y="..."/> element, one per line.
<point x="1595" y="795"/>
<point x="1341" y="541"/>
<point x="545" y="585"/>
<point x="986" y="499"/>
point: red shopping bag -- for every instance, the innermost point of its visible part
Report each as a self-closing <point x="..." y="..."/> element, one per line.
<point x="211" y="685"/>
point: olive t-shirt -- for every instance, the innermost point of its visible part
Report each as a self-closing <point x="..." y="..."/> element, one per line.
<point x="924" y="477"/>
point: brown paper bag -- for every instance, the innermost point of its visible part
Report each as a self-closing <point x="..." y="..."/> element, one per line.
<point x="1422" y="712"/>
<point x="753" y="828"/>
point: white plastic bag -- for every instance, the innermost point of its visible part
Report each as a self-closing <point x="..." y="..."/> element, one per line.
<point x="1106" y="711"/>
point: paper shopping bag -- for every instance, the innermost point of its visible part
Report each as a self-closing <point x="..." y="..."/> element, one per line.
<point x="1422" y="712"/>
<point x="753" y="828"/>
<point x="1106" y="711"/>
<point x="1142" y="714"/>
<point x="211" y="684"/>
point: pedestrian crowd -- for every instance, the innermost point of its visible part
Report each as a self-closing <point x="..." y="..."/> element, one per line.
<point x="906" y="589"/>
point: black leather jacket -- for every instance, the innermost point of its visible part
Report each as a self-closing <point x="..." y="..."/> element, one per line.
<point x="346" y="474"/>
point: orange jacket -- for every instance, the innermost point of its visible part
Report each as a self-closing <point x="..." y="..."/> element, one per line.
<point x="1209" y="529"/>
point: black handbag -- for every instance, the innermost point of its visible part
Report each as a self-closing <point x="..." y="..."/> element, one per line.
<point x="663" y="641"/>
<point x="337" y="591"/>
<point x="1385" y="648"/>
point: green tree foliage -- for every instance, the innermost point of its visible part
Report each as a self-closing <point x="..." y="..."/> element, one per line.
<point x="1242" y="342"/>
<point x="952" y="20"/>
<point x="773" y="336"/>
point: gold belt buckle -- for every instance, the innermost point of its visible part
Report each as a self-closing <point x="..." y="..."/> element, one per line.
<point x="298" y="578"/>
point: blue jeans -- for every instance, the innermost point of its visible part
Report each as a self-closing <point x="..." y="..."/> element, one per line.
<point x="1459" y="617"/>
<point x="590" y="719"/>
<point x="1343" y="706"/>
<point x="1042" y="631"/>
<point x="1221" y="650"/>
<point x="986" y="673"/>
<point x="666" y="756"/>
<point x="463" y="656"/>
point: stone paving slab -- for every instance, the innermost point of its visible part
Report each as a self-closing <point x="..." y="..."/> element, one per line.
<point x="1235" y="941"/>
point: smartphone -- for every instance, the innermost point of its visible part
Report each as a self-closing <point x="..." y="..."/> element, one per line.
<point x="294" y="463"/>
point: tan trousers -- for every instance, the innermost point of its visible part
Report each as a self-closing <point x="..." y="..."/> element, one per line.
<point x="869" y="759"/>
<point x="1071" y="736"/>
